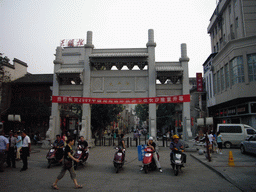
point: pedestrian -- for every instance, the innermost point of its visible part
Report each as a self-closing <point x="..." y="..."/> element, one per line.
<point x="68" y="165"/>
<point x="210" y="137"/>
<point x="12" y="150"/>
<point x="25" y="150"/>
<point x="64" y="138"/>
<point x="219" y="142"/>
<point x="18" y="145"/>
<point x="4" y="147"/>
<point x="75" y="134"/>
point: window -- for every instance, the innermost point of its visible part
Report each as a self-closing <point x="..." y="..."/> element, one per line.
<point x="207" y="89"/>
<point x="221" y="43"/>
<point x="252" y="138"/>
<point x="210" y="77"/>
<point x="251" y="59"/>
<point x="230" y="129"/>
<point x="250" y="131"/>
<point x="218" y="81"/>
<point x="236" y="23"/>
<point x="237" y="70"/>
<point x="226" y="75"/>
<point x="214" y="84"/>
<point x="222" y="77"/>
<point x="229" y="9"/>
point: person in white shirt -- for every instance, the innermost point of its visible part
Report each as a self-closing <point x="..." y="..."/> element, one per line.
<point x="210" y="136"/>
<point x="26" y="143"/>
<point x="4" y="147"/>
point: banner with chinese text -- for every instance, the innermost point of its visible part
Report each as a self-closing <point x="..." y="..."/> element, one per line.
<point x="146" y="100"/>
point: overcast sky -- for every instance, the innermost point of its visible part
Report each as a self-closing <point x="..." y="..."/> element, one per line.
<point x="32" y="29"/>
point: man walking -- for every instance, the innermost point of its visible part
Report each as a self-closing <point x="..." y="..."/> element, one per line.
<point x="4" y="146"/>
<point x="12" y="150"/>
<point x="26" y="143"/>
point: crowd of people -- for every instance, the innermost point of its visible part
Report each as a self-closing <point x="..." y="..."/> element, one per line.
<point x="15" y="147"/>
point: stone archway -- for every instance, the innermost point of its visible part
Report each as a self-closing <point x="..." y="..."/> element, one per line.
<point x="85" y="72"/>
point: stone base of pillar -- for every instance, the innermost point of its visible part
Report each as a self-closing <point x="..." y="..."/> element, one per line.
<point x="91" y="143"/>
<point x="46" y="144"/>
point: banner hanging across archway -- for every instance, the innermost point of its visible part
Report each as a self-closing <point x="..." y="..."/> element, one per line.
<point x="146" y="100"/>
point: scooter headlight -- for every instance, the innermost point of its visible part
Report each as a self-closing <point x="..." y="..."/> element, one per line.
<point x="148" y="154"/>
<point x="178" y="156"/>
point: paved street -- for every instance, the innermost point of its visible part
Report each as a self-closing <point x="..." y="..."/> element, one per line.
<point x="99" y="175"/>
<point x="242" y="175"/>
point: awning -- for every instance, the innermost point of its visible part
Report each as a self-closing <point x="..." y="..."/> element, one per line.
<point x="169" y="68"/>
<point x="70" y="70"/>
<point x="119" y="55"/>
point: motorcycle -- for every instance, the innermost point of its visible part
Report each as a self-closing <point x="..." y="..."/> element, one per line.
<point x="52" y="157"/>
<point x="148" y="160"/>
<point x="82" y="154"/>
<point x="119" y="158"/>
<point x="177" y="162"/>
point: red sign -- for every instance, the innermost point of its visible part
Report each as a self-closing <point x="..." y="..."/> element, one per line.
<point x="146" y="100"/>
<point x="199" y="82"/>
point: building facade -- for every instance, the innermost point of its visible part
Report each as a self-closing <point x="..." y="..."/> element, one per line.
<point x="9" y="73"/>
<point x="230" y="71"/>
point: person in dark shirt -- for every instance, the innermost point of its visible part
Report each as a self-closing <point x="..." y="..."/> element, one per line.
<point x="68" y="165"/>
<point x="122" y="142"/>
<point x="83" y="143"/>
<point x="176" y="145"/>
<point x="59" y="145"/>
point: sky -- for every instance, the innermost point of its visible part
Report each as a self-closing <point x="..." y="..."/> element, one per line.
<point x="31" y="30"/>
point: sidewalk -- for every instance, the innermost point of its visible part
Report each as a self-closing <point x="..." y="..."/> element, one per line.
<point x="242" y="175"/>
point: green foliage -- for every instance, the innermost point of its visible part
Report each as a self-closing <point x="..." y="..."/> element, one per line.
<point x="4" y="75"/>
<point x="142" y="112"/>
<point x="165" y="114"/>
<point x="103" y="115"/>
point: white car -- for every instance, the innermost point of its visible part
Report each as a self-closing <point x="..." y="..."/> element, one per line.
<point x="249" y="145"/>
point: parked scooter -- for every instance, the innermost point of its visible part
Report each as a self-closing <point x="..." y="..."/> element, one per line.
<point x="82" y="154"/>
<point x="148" y="160"/>
<point x="52" y="157"/>
<point x="119" y="158"/>
<point x="177" y="162"/>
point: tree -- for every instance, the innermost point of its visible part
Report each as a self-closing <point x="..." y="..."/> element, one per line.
<point x="4" y="77"/>
<point x="165" y="114"/>
<point x="142" y="112"/>
<point x="103" y="115"/>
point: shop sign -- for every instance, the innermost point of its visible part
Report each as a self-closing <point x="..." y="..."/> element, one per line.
<point x="242" y="109"/>
<point x="232" y="111"/>
<point x="199" y="82"/>
<point x="72" y="42"/>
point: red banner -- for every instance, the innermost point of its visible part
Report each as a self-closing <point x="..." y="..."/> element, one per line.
<point x="146" y="100"/>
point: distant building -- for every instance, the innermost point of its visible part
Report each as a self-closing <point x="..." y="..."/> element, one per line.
<point x="10" y="72"/>
<point x="30" y="97"/>
<point x="230" y="71"/>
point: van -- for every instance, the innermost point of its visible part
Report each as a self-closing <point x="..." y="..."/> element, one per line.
<point x="234" y="134"/>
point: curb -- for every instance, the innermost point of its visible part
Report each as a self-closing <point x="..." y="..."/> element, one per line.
<point x="224" y="176"/>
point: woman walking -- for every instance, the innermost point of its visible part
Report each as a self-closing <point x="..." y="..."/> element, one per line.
<point x="68" y="165"/>
<point x="219" y="142"/>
